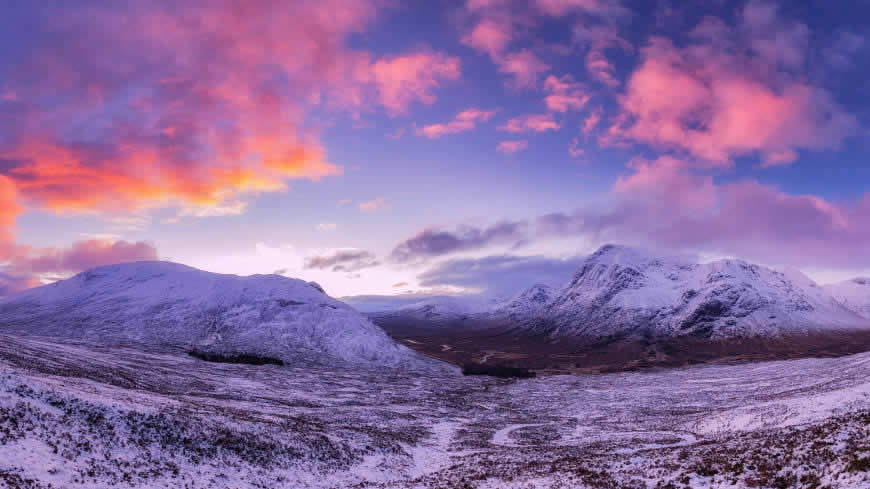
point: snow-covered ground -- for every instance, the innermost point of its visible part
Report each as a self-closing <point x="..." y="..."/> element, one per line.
<point x="74" y="414"/>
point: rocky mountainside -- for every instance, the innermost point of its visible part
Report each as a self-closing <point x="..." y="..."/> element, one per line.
<point x="526" y="305"/>
<point x="854" y="294"/>
<point x="624" y="292"/>
<point x="165" y="303"/>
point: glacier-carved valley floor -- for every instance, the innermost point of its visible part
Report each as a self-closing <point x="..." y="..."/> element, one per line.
<point x="74" y="414"/>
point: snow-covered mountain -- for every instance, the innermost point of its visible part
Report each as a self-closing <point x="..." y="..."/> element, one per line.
<point x="526" y="305"/>
<point x="621" y="292"/>
<point x="453" y="309"/>
<point x="170" y="304"/>
<point x="437" y="308"/>
<point x="854" y="294"/>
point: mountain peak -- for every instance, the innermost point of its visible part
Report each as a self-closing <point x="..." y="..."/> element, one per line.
<point x="624" y="291"/>
<point x="626" y="256"/>
<point x="615" y="253"/>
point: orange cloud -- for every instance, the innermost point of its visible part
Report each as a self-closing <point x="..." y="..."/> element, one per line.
<point x="9" y="209"/>
<point x="24" y="266"/>
<point x="464" y="121"/>
<point x="195" y="105"/>
<point x="63" y="177"/>
<point x="531" y="123"/>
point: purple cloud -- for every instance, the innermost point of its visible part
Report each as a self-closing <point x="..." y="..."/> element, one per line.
<point x="435" y="242"/>
<point x="504" y="274"/>
<point x="347" y="260"/>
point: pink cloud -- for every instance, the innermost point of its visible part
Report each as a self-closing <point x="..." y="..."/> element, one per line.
<point x="405" y="79"/>
<point x="663" y="203"/>
<point x="599" y="40"/>
<point x="375" y="205"/>
<point x="667" y="180"/>
<point x="524" y="66"/>
<point x="397" y="134"/>
<point x="81" y="255"/>
<point x="564" y="94"/>
<point x="562" y="7"/>
<point x="464" y="121"/>
<point x="495" y="25"/>
<point x="531" y="123"/>
<point x="575" y="150"/>
<point x="707" y="102"/>
<point x="601" y="68"/>
<point x="498" y="23"/>
<point x="8" y="95"/>
<point x="511" y="147"/>
<point x="490" y="36"/>
<point x="591" y="121"/>
<point x="26" y="267"/>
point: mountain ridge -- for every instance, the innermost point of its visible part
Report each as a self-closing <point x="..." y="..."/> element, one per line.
<point x="158" y="302"/>
<point x="623" y="292"/>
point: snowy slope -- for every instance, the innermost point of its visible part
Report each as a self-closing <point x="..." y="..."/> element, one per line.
<point x="854" y="294"/>
<point x="526" y="305"/>
<point x="438" y="308"/>
<point x="472" y="308"/>
<point x="171" y="304"/>
<point x="621" y="291"/>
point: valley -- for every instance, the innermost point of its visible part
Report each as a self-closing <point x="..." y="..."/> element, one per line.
<point x="154" y="374"/>
<point x="74" y="413"/>
<point x="509" y="346"/>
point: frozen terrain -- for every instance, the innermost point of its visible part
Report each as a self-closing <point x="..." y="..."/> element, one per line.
<point x="163" y="303"/>
<point x="75" y="414"/>
<point x="854" y="294"/>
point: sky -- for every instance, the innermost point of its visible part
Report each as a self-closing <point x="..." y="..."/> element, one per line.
<point x="431" y="146"/>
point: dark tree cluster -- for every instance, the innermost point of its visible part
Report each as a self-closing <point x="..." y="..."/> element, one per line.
<point x="245" y="358"/>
